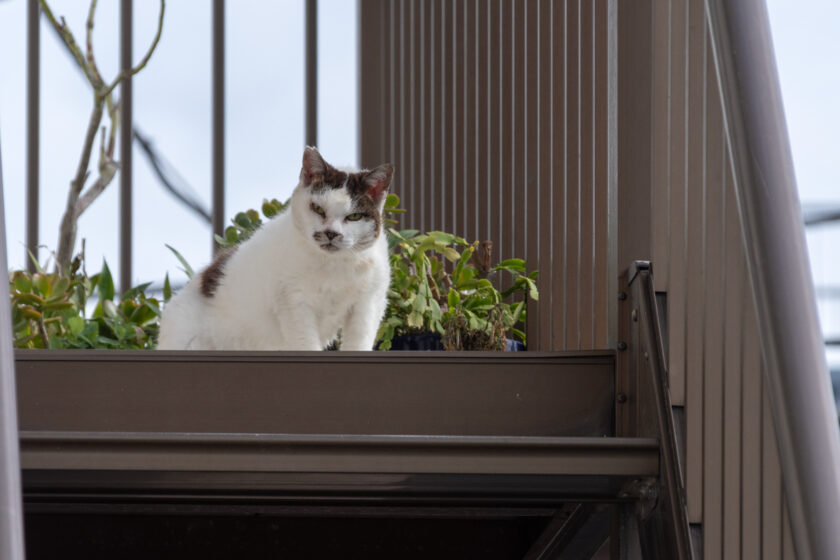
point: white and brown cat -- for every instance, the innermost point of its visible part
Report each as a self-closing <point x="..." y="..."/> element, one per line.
<point x="319" y="267"/>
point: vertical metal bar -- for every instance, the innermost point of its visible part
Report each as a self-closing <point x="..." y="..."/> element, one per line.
<point x="804" y="413"/>
<point x="125" y="144"/>
<point x="33" y="118"/>
<point x="311" y="72"/>
<point x="218" y="118"/>
<point x="11" y="509"/>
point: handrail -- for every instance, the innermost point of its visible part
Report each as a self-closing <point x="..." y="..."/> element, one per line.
<point x="664" y="532"/>
<point x="796" y="372"/>
<point x="11" y="511"/>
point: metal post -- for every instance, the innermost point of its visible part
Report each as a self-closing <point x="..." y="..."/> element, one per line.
<point x="33" y="113"/>
<point x="796" y="373"/>
<point x="125" y="145"/>
<point x="311" y="72"/>
<point x="218" y="210"/>
<point x="11" y="510"/>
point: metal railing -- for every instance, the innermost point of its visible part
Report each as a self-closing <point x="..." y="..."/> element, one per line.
<point x="33" y="61"/>
<point x="796" y="373"/>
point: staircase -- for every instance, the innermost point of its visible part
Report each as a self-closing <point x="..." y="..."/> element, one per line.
<point x="368" y="455"/>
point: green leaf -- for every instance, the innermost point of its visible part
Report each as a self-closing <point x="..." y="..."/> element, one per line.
<point x="443" y="237"/>
<point x="106" y="283"/>
<point x="242" y="220"/>
<point x="268" y="209"/>
<point x="187" y="268"/>
<point x="167" y="289"/>
<point x="60" y="287"/>
<point x="42" y="284"/>
<point x="35" y="262"/>
<point x="517" y="265"/>
<point x="451" y="254"/>
<point x="76" y="325"/>
<point x="22" y="282"/>
<point x="109" y="309"/>
<point x="454" y="299"/>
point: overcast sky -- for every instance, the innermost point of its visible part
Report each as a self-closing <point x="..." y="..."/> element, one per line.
<point x="264" y="123"/>
<point x="265" y="117"/>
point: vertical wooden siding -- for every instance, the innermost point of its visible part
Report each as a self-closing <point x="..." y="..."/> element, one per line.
<point x="733" y="476"/>
<point x="495" y="113"/>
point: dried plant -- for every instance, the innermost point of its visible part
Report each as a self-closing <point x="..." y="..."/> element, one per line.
<point x="77" y="200"/>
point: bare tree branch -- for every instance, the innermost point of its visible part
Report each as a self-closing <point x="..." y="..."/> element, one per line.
<point x="102" y="100"/>
<point x="123" y="74"/>
<point x="90" y="58"/>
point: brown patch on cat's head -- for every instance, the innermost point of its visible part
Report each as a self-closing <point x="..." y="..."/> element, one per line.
<point x="213" y="274"/>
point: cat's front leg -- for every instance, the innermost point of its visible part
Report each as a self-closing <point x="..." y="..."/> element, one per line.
<point x="298" y="331"/>
<point x="360" y="327"/>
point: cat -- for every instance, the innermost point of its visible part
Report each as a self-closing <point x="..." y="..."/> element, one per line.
<point x="319" y="267"/>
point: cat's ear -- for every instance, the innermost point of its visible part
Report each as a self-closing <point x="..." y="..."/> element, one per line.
<point x="378" y="180"/>
<point x="313" y="166"/>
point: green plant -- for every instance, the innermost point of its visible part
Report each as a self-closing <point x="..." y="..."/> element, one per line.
<point x="437" y="285"/>
<point x="247" y="222"/>
<point x="49" y="310"/>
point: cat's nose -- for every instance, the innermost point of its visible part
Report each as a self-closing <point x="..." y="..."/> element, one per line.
<point x="331" y="234"/>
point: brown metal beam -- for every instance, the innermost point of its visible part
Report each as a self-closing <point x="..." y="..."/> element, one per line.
<point x="311" y="72"/>
<point x="218" y="209"/>
<point x="347" y="454"/>
<point x="126" y="124"/>
<point x="33" y="126"/>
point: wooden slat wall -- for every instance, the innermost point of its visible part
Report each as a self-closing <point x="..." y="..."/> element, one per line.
<point x="733" y="476"/>
<point x="495" y="114"/>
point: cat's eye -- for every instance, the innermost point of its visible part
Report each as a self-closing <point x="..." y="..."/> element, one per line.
<point x="355" y="217"/>
<point x="317" y="209"/>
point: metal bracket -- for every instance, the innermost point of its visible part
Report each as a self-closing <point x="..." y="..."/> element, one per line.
<point x="645" y="491"/>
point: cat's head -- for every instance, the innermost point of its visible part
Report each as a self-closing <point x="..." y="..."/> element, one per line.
<point x="339" y="210"/>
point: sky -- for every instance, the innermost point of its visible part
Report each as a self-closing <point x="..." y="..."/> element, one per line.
<point x="172" y="104"/>
<point x="265" y="127"/>
<point x="806" y="35"/>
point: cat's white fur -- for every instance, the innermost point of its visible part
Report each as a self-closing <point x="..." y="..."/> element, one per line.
<point x="282" y="290"/>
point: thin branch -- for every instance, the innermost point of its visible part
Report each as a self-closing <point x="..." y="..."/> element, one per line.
<point x="70" y="42"/>
<point x="123" y="74"/>
<point x="89" y="35"/>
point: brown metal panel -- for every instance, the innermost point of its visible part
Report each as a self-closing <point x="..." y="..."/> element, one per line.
<point x="420" y="393"/>
<point x="695" y="259"/>
<point x="479" y="202"/>
<point x="383" y="124"/>
<point x="369" y="102"/>
<point x="519" y="176"/>
<point x="733" y="491"/>
<point x="545" y="180"/>
<point x="399" y="104"/>
<point x="459" y="107"/>
<point x="572" y="306"/>
<point x="558" y="172"/>
<point x="444" y="212"/>
<point x="504" y="249"/>
<point x="716" y="424"/>
<point x="677" y="211"/>
<point x="587" y="240"/>
<point x="531" y="177"/>
<point x="413" y="140"/>
<point x="660" y="151"/>
<point x="495" y="185"/>
<point x="425" y="108"/>
<point x="788" y="552"/>
<point x="751" y="413"/>
<point x="771" y="479"/>
<point x="468" y="200"/>
<point x="433" y="112"/>
<point x="602" y="269"/>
